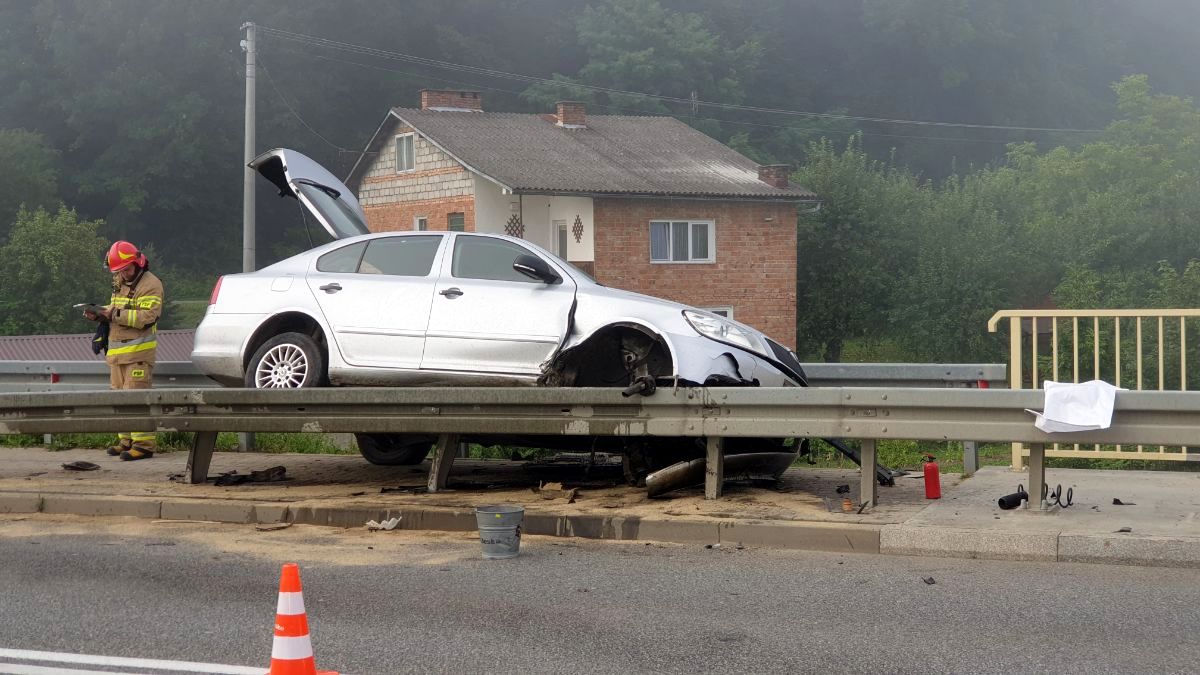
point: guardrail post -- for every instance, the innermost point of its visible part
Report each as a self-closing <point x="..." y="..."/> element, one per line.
<point x="1037" y="476"/>
<point x="48" y="440"/>
<point x="200" y="456"/>
<point x="714" y="468"/>
<point x="970" y="458"/>
<point x="868" y="493"/>
<point x="443" y="459"/>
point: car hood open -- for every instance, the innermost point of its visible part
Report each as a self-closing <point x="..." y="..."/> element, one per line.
<point x="325" y="197"/>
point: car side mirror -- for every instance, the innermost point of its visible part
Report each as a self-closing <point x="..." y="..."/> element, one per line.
<point x="536" y="268"/>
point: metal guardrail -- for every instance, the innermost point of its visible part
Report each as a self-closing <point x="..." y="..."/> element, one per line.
<point x="867" y="414"/>
<point x="17" y="376"/>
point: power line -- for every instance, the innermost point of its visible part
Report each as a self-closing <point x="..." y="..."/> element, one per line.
<point x="639" y="111"/>
<point x="489" y="72"/>
<point x="295" y="114"/>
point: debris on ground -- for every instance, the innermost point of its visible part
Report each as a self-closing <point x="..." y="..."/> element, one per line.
<point x="1118" y="502"/>
<point x="1125" y="529"/>
<point x="928" y="580"/>
<point x="389" y="524"/>
<point x="556" y="491"/>
<point x="274" y="474"/>
<point x="404" y="489"/>
<point x="273" y="528"/>
<point x="842" y="489"/>
<point x="80" y="466"/>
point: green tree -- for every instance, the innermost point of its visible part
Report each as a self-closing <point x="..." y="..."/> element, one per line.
<point x="852" y="250"/>
<point x="52" y="261"/>
<point x="28" y="175"/>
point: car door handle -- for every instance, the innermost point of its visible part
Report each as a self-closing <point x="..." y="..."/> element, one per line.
<point x="331" y="288"/>
<point x="451" y="293"/>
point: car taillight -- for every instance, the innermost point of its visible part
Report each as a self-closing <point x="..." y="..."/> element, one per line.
<point x="212" y="300"/>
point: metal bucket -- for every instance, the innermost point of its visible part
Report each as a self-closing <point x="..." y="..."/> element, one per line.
<point x="500" y="530"/>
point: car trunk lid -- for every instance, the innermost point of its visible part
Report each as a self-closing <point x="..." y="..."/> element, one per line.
<point x="322" y="194"/>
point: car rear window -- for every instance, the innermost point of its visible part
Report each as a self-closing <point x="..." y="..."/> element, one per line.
<point x="344" y="259"/>
<point x="486" y="258"/>
<point x="400" y="256"/>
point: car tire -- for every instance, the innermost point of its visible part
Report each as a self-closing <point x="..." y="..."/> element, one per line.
<point x="393" y="449"/>
<point x="286" y="361"/>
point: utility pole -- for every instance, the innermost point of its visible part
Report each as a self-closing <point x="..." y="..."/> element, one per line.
<point x="246" y="440"/>
<point x="248" y="178"/>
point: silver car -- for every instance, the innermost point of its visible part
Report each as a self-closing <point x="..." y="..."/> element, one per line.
<point x="453" y="308"/>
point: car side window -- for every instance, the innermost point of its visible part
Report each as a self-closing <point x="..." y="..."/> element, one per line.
<point x="400" y="256"/>
<point x="487" y="258"/>
<point x="343" y="260"/>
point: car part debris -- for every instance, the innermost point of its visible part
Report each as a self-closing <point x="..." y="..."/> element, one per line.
<point x="1125" y="529"/>
<point x="929" y="580"/>
<point x="389" y="524"/>
<point x="273" y="528"/>
<point x="1012" y="501"/>
<point x="883" y="474"/>
<point x="80" y="466"/>
<point x="747" y="466"/>
<point x="1118" y="502"/>
<point x="274" y="474"/>
<point x="404" y="489"/>
<point x="842" y="489"/>
<point x="1056" y="496"/>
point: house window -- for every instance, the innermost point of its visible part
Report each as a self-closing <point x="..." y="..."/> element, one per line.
<point x="421" y="223"/>
<point x="686" y="241"/>
<point x="456" y="222"/>
<point x="561" y="238"/>
<point x="406" y="159"/>
<point x="726" y="312"/>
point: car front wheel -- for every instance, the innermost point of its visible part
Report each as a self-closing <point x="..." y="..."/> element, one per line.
<point x="393" y="449"/>
<point x="286" y="361"/>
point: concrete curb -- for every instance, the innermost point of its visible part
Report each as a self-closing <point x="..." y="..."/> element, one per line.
<point x="834" y="537"/>
<point x="909" y="540"/>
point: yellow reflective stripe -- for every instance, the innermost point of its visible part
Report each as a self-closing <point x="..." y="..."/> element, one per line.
<point x="121" y="301"/>
<point x="142" y="436"/>
<point x="148" y="301"/>
<point x="129" y="349"/>
<point x="131" y="317"/>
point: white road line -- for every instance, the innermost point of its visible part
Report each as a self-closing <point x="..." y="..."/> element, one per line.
<point x="114" y="662"/>
<point x="18" y="669"/>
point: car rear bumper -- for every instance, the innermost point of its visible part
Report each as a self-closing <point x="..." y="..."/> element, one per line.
<point x="220" y="340"/>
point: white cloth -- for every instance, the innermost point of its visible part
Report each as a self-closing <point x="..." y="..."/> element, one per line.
<point x="1082" y="406"/>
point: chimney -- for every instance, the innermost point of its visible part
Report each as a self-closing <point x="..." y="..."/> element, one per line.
<point x="570" y="114"/>
<point x="775" y="175"/>
<point x="449" y="100"/>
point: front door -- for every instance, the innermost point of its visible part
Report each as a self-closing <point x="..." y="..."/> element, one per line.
<point x="376" y="296"/>
<point x="489" y="318"/>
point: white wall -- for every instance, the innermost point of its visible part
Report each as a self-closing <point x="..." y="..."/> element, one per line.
<point x="493" y="209"/>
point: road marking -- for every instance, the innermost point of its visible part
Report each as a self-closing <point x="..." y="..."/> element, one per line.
<point x="111" y="662"/>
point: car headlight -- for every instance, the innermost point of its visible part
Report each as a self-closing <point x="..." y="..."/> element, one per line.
<point x="722" y="330"/>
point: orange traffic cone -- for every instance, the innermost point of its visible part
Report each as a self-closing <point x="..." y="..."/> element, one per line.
<point x="292" y="653"/>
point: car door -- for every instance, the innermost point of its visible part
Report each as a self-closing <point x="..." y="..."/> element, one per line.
<point x="487" y="317"/>
<point x="376" y="296"/>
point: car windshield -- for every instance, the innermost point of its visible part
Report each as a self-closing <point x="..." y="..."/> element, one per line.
<point x="339" y="216"/>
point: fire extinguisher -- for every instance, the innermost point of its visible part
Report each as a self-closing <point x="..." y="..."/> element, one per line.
<point x="933" y="478"/>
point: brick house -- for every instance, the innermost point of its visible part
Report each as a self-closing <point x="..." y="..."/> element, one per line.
<point x="646" y="204"/>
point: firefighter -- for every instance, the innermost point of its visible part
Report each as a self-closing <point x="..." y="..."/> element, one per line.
<point x="132" y="315"/>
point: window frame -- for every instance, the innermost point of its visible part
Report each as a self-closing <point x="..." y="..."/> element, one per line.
<point x="450" y="226"/>
<point x="433" y="263"/>
<point x="712" y="240"/>
<point x="412" y="146"/>
<point x="418" y="221"/>
<point x="472" y="237"/>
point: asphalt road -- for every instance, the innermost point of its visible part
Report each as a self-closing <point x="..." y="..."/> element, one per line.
<point x="398" y="602"/>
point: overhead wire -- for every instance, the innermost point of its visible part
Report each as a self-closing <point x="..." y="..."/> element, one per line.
<point x="722" y="120"/>
<point x="295" y="114"/>
<point x="490" y="72"/>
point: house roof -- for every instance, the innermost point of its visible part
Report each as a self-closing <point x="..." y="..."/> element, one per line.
<point x="612" y="155"/>
<point x="173" y="345"/>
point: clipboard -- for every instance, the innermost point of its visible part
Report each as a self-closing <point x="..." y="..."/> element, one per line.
<point x="89" y="306"/>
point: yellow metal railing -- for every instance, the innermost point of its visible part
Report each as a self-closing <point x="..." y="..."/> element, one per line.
<point x="1150" y="353"/>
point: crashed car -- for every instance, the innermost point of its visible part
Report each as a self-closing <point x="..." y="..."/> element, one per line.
<point x="460" y="309"/>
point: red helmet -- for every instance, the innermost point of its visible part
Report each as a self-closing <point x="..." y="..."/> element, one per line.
<point x="122" y="254"/>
